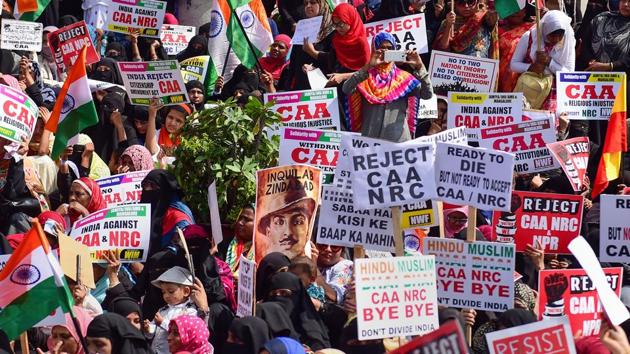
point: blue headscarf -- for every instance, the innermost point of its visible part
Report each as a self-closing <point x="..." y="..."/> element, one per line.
<point x="284" y="345"/>
<point x="384" y="36"/>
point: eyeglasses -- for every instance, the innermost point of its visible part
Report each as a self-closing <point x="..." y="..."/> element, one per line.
<point x="322" y="247"/>
<point x="469" y="3"/>
<point x="339" y="24"/>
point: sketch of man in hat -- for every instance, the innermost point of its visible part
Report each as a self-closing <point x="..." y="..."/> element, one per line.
<point x="286" y="220"/>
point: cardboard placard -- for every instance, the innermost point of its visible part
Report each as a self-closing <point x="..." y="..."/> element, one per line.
<point x="392" y="174"/>
<point x="317" y="109"/>
<point x="66" y="44"/>
<point x="315" y="147"/>
<point x="125" y="188"/>
<point x="145" y="80"/>
<point x="307" y="28"/>
<point x="18" y="115"/>
<point x="588" y="96"/>
<point x="449" y="338"/>
<point x="395" y="296"/>
<point x="571" y="293"/>
<point x="482" y="110"/>
<point x="124" y="228"/>
<point x="341" y="224"/>
<point x="472" y="176"/>
<point x="572" y="155"/>
<point x="478" y="275"/>
<point x="145" y="16"/>
<point x="175" y="38"/>
<point x="69" y="249"/>
<point x="195" y="68"/>
<point x="461" y="73"/>
<point x="527" y="140"/>
<point x="419" y="214"/>
<point x="286" y="201"/>
<point x="246" y="288"/>
<point x="545" y="220"/>
<point x="410" y="32"/>
<point x="215" y="217"/>
<point x="550" y="336"/>
<point x="428" y="109"/>
<point x="614" y="229"/>
<point x="21" y="35"/>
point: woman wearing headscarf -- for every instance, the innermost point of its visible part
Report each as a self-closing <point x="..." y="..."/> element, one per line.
<point x="247" y="335"/>
<point x="64" y="338"/>
<point x="135" y="158"/>
<point x="111" y="333"/>
<point x="277" y="319"/>
<point x="116" y="51"/>
<point x="515" y="27"/>
<point x="468" y="31"/>
<point x="557" y="54"/>
<point x="197" y="46"/>
<point x="275" y="62"/>
<point x="291" y="12"/>
<point x="283" y="345"/>
<point x="508" y="319"/>
<point x="455" y="221"/>
<point x="382" y="96"/>
<point x="106" y="70"/>
<point x="241" y="243"/>
<point x="108" y="134"/>
<point x="151" y="49"/>
<point x="84" y="198"/>
<point x="168" y="212"/>
<point x="294" y="75"/>
<point x="244" y="81"/>
<point x="189" y="334"/>
<point x="128" y="308"/>
<point x="287" y="289"/>
<point x="271" y="264"/>
<point x="197" y="94"/>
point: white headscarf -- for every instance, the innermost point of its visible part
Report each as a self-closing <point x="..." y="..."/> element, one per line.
<point x="561" y="53"/>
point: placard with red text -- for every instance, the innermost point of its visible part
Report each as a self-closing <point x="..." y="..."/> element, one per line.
<point x="550" y="336"/>
<point x="307" y="109"/>
<point x="588" y="95"/>
<point x="124" y="188"/>
<point x="572" y="154"/>
<point x="410" y="32"/>
<point x="449" y="338"/>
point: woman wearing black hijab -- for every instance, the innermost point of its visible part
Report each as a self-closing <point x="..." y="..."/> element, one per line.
<point x="196" y="93"/>
<point x="128" y="308"/>
<point x="197" y="46"/>
<point x="248" y="335"/>
<point x="271" y="264"/>
<point x="277" y="319"/>
<point x="106" y="70"/>
<point x="287" y="289"/>
<point x="116" y="51"/>
<point x="111" y="333"/>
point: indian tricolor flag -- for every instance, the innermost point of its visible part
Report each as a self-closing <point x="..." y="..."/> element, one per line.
<point x="29" y="10"/>
<point x="74" y="109"/>
<point x="506" y="8"/>
<point x="31" y="285"/>
<point x="615" y="144"/>
<point x="256" y="29"/>
<point x="219" y="47"/>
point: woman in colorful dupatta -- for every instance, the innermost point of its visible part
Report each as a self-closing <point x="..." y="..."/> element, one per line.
<point x="468" y="31"/>
<point x="516" y="26"/>
<point x="385" y="92"/>
<point x="241" y="244"/>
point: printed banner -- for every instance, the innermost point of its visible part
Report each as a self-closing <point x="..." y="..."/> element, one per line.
<point x="21" y="35"/>
<point x="476" y="111"/>
<point x="550" y="336"/>
<point x="449" y="338"/>
<point x="614" y="228"/>
<point x="545" y="220"/>
<point x="122" y="189"/>
<point x="162" y="79"/>
<point x="419" y="214"/>
<point x="473" y="176"/>
<point x="246" y="288"/>
<point x="571" y="293"/>
<point x="195" y="68"/>
<point x="175" y="38"/>
<point x="428" y="109"/>
<point x="314" y="147"/>
<point x="392" y="174"/>
<point x="19" y="115"/>
<point x="66" y="44"/>
<point x="478" y="275"/>
<point x="527" y="140"/>
<point x="588" y="96"/>
<point x="307" y="109"/>
<point x="341" y="224"/>
<point x="572" y="155"/>
<point x="127" y="16"/>
<point x="410" y="32"/>
<point x="395" y="296"/>
<point x="124" y="229"/>
<point x="286" y="201"/>
<point x="461" y="73"/>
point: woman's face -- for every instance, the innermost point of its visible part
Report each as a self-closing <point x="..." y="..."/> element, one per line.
<point x="341" y="27"/>
<point x="196" y="95"/>
<point x="134" y="319"/>
<point x="624" y="8"/>
<point x="466" y="8"/>
<point x="244" y="227"/>
<point x="386" y="45"/>
<point x="278" y="49"/>
<point x="311" y="8"/>
<point x="174" y="341"/>
<point x="62" y="334"/>
<point x="78" y="194"/>
<point x="141" y="126"/>
<point x="174" y="121"/>
<point x="442" y="111"/>
<point x="328" y="255"/>
<point x="99" y="345"/>
<point x="457" y="219"/>
<point x="555" y="37"/>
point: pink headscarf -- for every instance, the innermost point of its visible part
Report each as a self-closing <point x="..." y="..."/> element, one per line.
<point x="451" y="229"/>
<point x="84" y="320"/>
<point x="140" y="157"/>
<point x="193" y="334"/>
<point x="170" y="19"/>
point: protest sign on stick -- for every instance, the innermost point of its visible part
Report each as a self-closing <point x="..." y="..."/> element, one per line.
<point x="548" y="220"/>
<point x="317" y="109"/>
<point x="410" y="32"/>
<point x="144" y="16"/>
<point x="161" y="79"/>
<point x="449" y="338"/>
<point x="419" y="214"/>
<point x="124" y="229"/>
<point x="461" y="73"/>
<point x="588" y="96"/>
<point x="614" y="228"/>
<point x="246" y="288"/>
<point x="66" y="44"/>
<point x="18" y="115"/>
<point x="395" y="296"/>
<point x="175" y="38"/>
<point x="195" y="68"/>
<point x="121" y="189"/>
<point x="572" y="155"/>
<point x="215" y="218"/>
<point x="21" y="35"/>
<point x="550" y="336"/>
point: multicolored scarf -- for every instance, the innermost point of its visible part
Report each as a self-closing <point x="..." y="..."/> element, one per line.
<point x="234" y="251"/>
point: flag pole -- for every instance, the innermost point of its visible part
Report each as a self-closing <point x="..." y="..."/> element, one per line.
<point x="240" y="24"/>
<point x="24" y="343"/>
<point x="538" y="30"/>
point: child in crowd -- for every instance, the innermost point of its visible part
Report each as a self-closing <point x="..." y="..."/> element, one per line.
<point x="305" y="269"/>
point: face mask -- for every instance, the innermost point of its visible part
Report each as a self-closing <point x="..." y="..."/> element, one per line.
<point x="152" y="197"/>
<point x="234" y="348"/>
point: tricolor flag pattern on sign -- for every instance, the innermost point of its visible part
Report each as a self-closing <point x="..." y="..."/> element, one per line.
<point x="32" y="285"/>
<point x="74" y="109"/>
<point x="256" y="29"/>
<point x="219" y="45"/>
<point x="29" y="10"/>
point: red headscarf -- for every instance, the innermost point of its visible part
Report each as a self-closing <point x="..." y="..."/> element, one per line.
<point x="352" y="49"/>
<point x="97" y="202"/>
<point x="275" y="65"/>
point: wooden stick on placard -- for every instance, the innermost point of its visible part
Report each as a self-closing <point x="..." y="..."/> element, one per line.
<point x="187" y="254"/>
<point x="471" y="236"/>
<point x="398" y="238"/>
<point x="440" y="217"/>
<point x="24" y="343"/>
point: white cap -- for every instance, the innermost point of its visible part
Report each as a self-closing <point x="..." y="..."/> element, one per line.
<point x="175" y="275"/>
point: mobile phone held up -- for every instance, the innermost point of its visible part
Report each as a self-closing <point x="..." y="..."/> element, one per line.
<point x="395" y="55"/>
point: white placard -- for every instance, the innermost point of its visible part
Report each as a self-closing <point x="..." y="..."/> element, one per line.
<point x="307" y="28"/>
